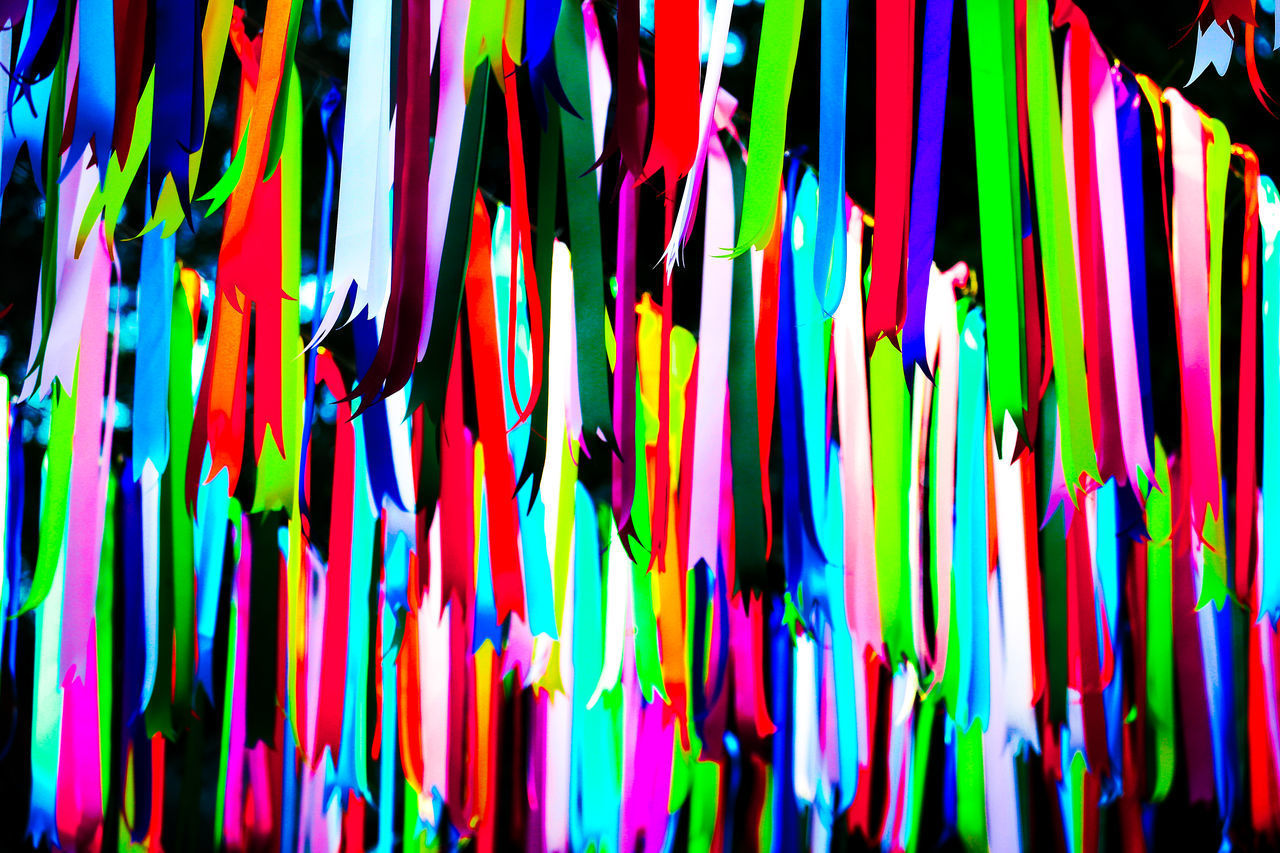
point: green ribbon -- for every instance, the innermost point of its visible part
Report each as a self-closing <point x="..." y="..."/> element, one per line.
<point x="1213" y="586"/>
<point x="1160" y="710"/>
<point x="543" y="247"/>
<point x="775" y="69"/>
<point x="995" y="127"/>
<point x="744" y="418"/>
<point x="175" y="670"/>
<point x="277" y="473"/>
<point x="648" y="661"/>
<point x="431" y="381"/>
<point x="891" y="474"/>
<point x="584" y="228"/>
<point x="288" y="109"/>
<point x="57" y="486"/>
<point x="1062" y="303"/>
<point x="1053" y="566"/>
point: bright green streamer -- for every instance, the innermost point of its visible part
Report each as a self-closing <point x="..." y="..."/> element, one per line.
<point x="995" y="125"/>
<point x="105" y="630"/>
<point x="890" y="467"/>
<point x="1052" y="214"/>
<point x="53" y="516"/>
<point x="775" y="69"/>
<point x="1213" y="586"/>
<point x="277" y="474"/>
<point x="971" y="796"/>
<point x="704" y="805"/>
<point x="1160" y="630"/>
<point x="648" y="663"/>
<point x="920" y="765"/>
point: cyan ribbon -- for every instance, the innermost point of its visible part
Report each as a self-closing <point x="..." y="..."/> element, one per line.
<point x="973" y="701"/>
<point x="1269" y="218"/>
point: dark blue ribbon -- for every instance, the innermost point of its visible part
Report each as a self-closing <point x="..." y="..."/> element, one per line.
<point x="1129" y="106"/>
<point x="935" y="66"/>
<point x="177" y="127"/>
<point x="332" y="119"/>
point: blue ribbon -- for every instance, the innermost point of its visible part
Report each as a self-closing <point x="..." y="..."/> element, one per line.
<point x="799" y="538"/>
<point x="382" y="467"/>
<point x="829" y="257"/>
<point x="177" y="127"/>
<point x="151" y="374"/>
<point x="133" y="650"/>
<point x="95" y="86"/>
<point x="935" y="66"/>
<point x="1129" y="106"/>
<point x="25" y="128"/>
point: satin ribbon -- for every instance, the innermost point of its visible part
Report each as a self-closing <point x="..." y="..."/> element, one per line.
<point x="714" y="331"/>
<point x="366" y="123"/>
<point x="711" y="94"/>
<point x="179" y="87"/>
<point x="508" y="587"/>
<point x="895" y="77"/>
<point x="925" y="181"/>
<point x="1128" y="386"/>
<point x="1246" y="497"/>
<point x="849" y="356"/>
<point x="1191" y="297"/>
<point x="398" y="342"/>
<point x="445" y="154"/>
<point x="675" y="134"/>
<point x="584" y="231"/>
<point x="750" y="549"/>
<point x="84" y="508"/>
<point x="890" y="441"/>
<point x="95" y="84"/>
<point x="973" y="700"/>
<point x="521" y="248"/>
<point x="775" y="66"/>
<point x="991" y="62"/>
<point x="1269" y="220"/>
<point x="1062" y="305"/>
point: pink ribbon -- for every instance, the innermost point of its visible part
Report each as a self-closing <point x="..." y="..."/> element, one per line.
<point x="713" y="362"/>
<point x="848" y="346"/>
<point x="1191" y="298"/>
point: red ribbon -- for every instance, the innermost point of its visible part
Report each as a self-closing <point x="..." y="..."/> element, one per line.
<point x="499" y="476"/>
<point x="337" y="582"/>
<point x="521" y="244"/>
<point x="1246" y="548"/>
<point x="895" y="130"/>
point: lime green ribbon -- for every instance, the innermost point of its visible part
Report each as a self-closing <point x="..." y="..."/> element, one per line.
<point x="1160" y="711"/>
<point x="1062" y="305"/>
<point x="891" y="474"/>
<point x="775" y="69"/>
